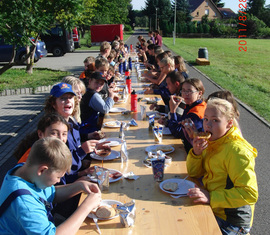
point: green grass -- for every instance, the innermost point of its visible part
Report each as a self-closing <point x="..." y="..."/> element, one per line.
<point x="18" y="78"/>
<point x="86" y="41"/>
<point x="245" y="74"/>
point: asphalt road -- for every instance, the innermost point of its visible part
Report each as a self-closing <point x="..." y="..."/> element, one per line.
<point x="254" y="129"/>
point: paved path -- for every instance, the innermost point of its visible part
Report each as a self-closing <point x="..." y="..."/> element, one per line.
<point x="20" y="113"/>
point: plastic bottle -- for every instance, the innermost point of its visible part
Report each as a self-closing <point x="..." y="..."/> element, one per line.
<point x="129" y="63"/>
<point x="131" y="49"/>
<point x="128" y="83"/>
<point x="120" y="68"/>
<point x="134" y="101"/>
<point x="124" y="65"/>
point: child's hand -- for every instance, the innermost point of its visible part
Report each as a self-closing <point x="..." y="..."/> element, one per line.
<point x="189" y="126"/>
<point x="173" y="103"/>
<point x="199" y="145"/>
<point x="89" y="146"/>
<point x="201" y="195"/>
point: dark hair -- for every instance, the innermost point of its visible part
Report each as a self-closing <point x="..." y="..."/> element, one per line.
<point x="30" y="139"/>
<point x="162" y="55"/>
<point x="197" y="83"/>
<point x="176" y="76"/>
<point x="151" y="46"/>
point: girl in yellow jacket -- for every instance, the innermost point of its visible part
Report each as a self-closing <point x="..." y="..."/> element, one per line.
<point x="226" y="162"/>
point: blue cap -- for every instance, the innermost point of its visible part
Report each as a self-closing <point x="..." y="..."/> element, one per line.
<point x="61" y="89"/>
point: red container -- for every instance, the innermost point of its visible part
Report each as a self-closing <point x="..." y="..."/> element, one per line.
<point x="130" y="47"/>
<point x="106" y="32"/>
<point x="128" y="83"/>
<point x="134" y="101"/>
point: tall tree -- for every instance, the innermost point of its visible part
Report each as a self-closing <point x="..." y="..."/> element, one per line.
<point x="219" y="3"/>
<point x="182" y="10"/>
<point x="255" y="7"/>
<point x="23" y="19"/>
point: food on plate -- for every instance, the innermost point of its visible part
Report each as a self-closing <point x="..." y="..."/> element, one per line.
<point x="115" y="175"/>
<point x="202" y="135"/>
<point x="177" y="98"/>
<point x="111" y="124"/>
<point x="103" y="152"/>
<point x="105" y="212"/>
<point x="164" y="148"/>
<point x="170" y="186"/>
<point x="101" y="134"/>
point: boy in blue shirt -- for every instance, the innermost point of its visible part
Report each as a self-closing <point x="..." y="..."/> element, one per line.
<point x="28" y="213"/>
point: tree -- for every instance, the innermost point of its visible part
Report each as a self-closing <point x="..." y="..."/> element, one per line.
<point x="23" y="19"/>
<point x="255" y="7"/>
<point x="111" y="12"/>
<point x="182" y="11"/>
<point x="218" y="3"/>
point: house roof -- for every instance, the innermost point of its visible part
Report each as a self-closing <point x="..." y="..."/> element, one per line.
<point x="194" y="4"/>
<point x="227" y="13"/>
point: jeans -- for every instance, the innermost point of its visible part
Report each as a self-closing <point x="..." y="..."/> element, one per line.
<point x="229" y="229"/>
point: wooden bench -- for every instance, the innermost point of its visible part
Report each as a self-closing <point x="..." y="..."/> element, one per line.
<point x="202" y="61"/>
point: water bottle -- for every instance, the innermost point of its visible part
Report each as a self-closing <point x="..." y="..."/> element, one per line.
<point x="133" y="101"/>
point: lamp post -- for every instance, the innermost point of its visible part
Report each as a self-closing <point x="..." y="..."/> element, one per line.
<point x="174" y="29"/>
<point x="156" y="18"/>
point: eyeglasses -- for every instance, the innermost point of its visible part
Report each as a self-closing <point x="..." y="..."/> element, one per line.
<point x="188" y="92"/>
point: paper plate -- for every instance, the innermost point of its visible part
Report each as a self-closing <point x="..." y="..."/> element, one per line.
<point x="106" y="203"/>
<point x="111" y="180"/>
<point x="113" y="141"/>
<point x="112" y="124"/>
<point x="117" y="110"/>
<point x="183" y="186"/>
<point x="156" y="147"/>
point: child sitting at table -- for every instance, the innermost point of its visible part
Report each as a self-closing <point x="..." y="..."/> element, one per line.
<point x="92" y="104"/>
<point x="226" y="162"/>
<point x="50" y="125"/>
<point x="27" y="192"/>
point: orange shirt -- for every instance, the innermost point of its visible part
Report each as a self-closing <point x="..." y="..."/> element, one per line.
<point x="25" y="156"/>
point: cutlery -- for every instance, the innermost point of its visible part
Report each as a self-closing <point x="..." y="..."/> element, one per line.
<point x="178" y="196"/>
<point x="95" y="220"/>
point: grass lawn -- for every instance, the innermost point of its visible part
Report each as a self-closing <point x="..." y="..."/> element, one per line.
<point x="245" y="74"/>
<point x="18" y="78"/>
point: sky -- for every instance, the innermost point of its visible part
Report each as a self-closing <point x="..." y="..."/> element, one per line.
<point x="138" y="4"/>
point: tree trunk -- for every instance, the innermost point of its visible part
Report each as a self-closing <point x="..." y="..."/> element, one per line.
<point x="11" y="63"/>
<point x="31" y="57"/>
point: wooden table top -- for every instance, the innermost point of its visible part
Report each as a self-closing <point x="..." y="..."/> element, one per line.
<point x="156" y="211"/>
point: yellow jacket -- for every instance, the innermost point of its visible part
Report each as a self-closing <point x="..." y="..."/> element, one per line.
<point x="227" y="166"/>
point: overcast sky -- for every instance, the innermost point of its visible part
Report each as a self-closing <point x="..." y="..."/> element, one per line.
<point x="138" y="4"/>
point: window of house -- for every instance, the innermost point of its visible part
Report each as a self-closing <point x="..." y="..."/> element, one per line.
<point x="206" y="3"/>
<point x="197" y="13"/>
<point x="206" y="12"/>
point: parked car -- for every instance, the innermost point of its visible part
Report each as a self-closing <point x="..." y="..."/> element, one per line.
<point x="58" y="41"/>
<point x="6" y="52"/>
<point x="76" y="37"/>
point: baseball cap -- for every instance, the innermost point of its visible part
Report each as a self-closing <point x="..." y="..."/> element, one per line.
<point x="61" y="89"/>
<point x="98" y="75"/>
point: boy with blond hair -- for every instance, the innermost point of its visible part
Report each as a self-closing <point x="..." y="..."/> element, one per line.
<point x="105" y="49"/>
<point x="28" y="191"/>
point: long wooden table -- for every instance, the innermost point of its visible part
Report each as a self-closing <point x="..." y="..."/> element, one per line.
<point x="156" y="212"/>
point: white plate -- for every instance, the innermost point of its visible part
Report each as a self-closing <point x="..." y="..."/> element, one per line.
<point x="182" y="186"/>
<point x="117" y="110"/>
<point x="150" y="166"/>
<point x="113" y="141"/>
<point x="152" y="99"/>
<point x="152" y="148"/>
<point x="166" y="131"/>
<point x="111" y="180"/>
<point x="114" y="154"/>
<point x="107" y="203"/>
<point x="112" y="124"/>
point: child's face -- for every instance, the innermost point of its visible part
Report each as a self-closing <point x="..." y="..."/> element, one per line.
<point x="216" y="123"/>
<point x="58" y="130"/>
<point x="190" y="94"/>
<point x="96" y="84"/>
<point x="103" y="70"/>
<point x="78" y="92"/>
<point x="48" y="178"/>
<point x="64" y="105"/>
<point x="86" y="65"/>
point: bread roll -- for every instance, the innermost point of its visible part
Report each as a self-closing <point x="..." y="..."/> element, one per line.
<point x="105" y="212"/>
<point x="170" y="186"/>
<point x="202" y="135"/>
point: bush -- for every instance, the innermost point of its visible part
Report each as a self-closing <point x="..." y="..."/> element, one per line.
<point x="264" y="32"/>
<point x="128" y="28"/>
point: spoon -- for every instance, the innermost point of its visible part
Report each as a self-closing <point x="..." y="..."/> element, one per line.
<point x="95" y="220"/>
